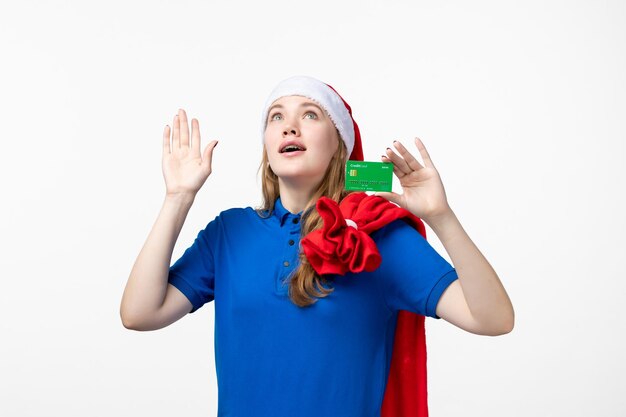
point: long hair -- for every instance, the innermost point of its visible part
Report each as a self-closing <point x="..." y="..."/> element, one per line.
<point x="305" y="285"/>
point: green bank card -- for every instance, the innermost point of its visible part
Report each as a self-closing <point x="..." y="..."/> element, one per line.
<point x="368" y="176"/>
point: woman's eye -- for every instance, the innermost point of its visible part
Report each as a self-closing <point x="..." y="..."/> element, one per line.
<point x="273" y="117"/>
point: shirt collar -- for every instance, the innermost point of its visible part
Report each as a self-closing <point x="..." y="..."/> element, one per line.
<point x="282" y="213"/>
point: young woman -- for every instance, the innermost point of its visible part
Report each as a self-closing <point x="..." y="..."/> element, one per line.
<point x="292" y="338"/>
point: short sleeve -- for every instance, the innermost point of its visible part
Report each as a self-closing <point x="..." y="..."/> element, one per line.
<point x="412" y="275"/>
<point x="194" y="272"/>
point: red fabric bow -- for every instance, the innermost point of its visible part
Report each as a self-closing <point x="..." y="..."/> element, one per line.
<point x="337" y="248"/>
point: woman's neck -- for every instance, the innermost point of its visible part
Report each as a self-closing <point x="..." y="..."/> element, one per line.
<point x="295" y="196"/>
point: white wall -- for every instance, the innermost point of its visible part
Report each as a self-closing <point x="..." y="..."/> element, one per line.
<point x="520" y="104"/>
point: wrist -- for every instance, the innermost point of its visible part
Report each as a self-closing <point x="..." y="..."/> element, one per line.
<point x="439" y="221"/>
<point x="184" y="199"/>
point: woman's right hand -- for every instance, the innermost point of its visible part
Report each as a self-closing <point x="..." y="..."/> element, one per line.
<point x="184" y="170"/>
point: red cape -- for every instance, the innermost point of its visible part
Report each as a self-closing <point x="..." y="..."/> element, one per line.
<point x="338" y="247"/>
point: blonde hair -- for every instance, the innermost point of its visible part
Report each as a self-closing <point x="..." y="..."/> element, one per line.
<point x="305" y="285"/>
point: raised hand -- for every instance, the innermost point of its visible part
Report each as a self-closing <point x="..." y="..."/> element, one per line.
<point x="184" y="169"/>
<point x="423" y="192"/>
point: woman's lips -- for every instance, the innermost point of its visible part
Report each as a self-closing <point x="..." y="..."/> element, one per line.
<point x="291" y="143"/>
<point x="292" y="154"/>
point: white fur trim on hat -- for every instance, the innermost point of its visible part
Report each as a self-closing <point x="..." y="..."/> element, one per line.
<point x="316" y="90"/>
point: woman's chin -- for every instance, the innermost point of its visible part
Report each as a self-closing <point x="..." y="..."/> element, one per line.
<point x="297" y="177"/>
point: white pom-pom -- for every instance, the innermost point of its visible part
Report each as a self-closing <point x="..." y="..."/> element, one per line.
<point x="351" y="223"/>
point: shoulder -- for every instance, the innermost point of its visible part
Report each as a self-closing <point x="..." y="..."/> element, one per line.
<point x="399" y="239"/>
<point x="236" y="214"/>
<point x="237" y="218"/>
<point x="396" y="232"/>
<point x="231" y="221"/>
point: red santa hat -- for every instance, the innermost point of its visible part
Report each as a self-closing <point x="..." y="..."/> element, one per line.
<point x="327" y="97"/>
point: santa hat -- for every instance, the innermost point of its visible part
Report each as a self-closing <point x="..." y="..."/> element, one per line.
<point x="327" y="97"/>
<point x="406" y="392"/>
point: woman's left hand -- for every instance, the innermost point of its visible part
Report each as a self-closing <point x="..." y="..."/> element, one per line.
<point x="423" y="192"/>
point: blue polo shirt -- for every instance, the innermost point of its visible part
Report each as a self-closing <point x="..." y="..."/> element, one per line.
<point x="275" y="359"/>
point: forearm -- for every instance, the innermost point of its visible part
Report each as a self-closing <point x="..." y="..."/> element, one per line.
<point x="147" y="284"/>
<point x="484" y="293"/>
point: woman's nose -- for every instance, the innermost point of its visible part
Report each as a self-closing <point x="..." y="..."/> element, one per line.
<point x="290" y="129"/>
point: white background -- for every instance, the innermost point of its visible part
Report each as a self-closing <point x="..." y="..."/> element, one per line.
<point x="520" y="104"/>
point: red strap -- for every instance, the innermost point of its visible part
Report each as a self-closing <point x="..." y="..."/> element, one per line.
<point x="338" y="247"/>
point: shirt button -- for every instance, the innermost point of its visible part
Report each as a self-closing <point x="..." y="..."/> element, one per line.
<point x="291" y="242"/>
<point x="295" y="220"/>
<point x="286" y="263"/>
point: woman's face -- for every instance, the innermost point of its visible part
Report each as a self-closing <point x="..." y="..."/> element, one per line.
<point x="300" y="139"/>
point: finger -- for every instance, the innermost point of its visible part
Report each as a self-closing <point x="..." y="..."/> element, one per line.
<point x="208" y="155"/>
<point x="184" y="128"/>
<point x="396" y="171"/>
<point x="393" y="197"/>
<point x="166" y="140"/>
<point x="410" y="160"/>
<point x="425" y="156"/>
<point x="398" y="161"/>
<point x="176" y="136"/>
<point x="195" y="137"/>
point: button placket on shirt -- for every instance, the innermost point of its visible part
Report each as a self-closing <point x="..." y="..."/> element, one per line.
<point x="290" y="252"/>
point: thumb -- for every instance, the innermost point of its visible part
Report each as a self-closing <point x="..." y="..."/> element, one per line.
<point x="393" y="197"/>
<point x="208" y="154"/>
